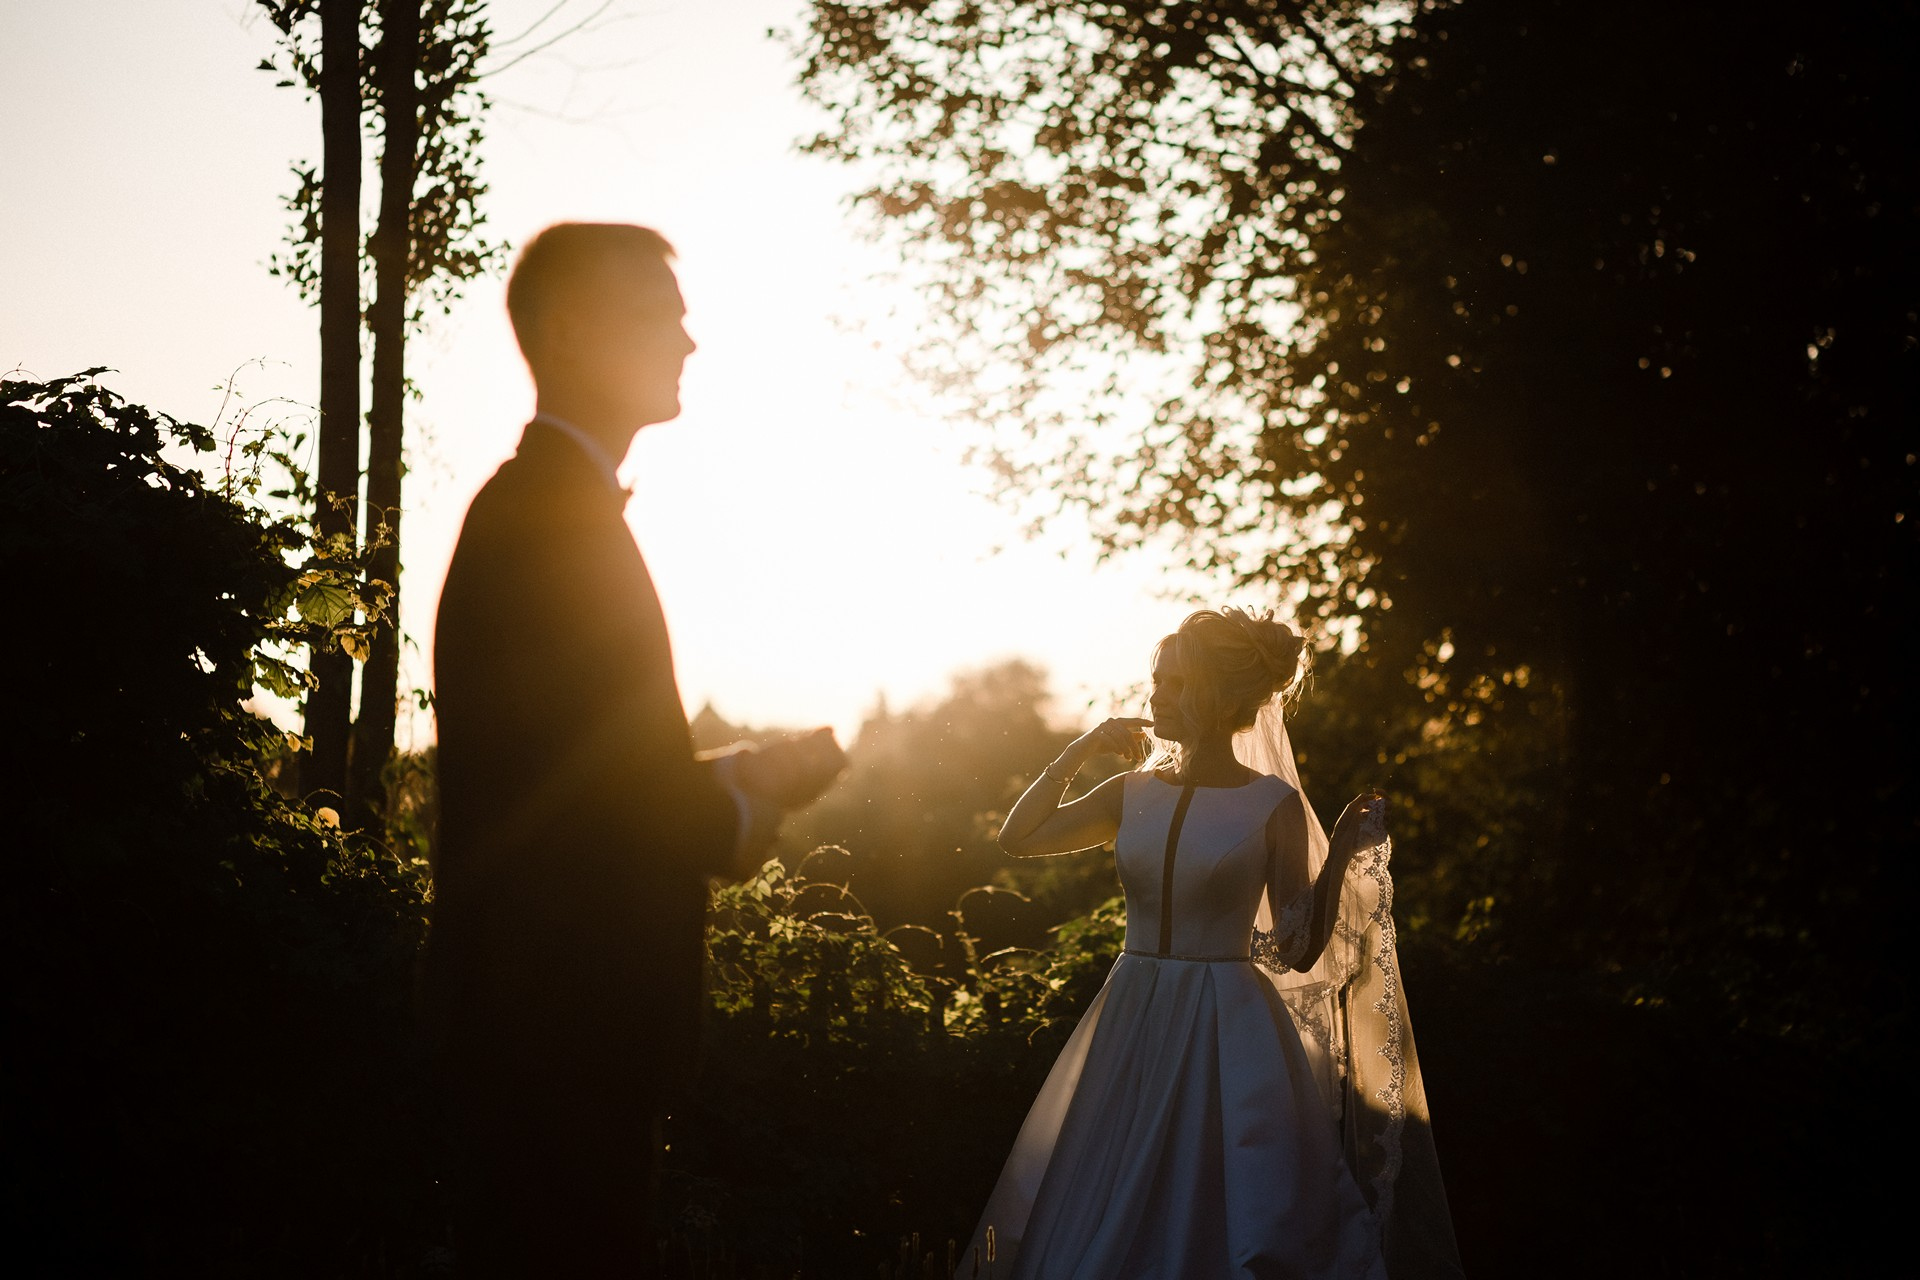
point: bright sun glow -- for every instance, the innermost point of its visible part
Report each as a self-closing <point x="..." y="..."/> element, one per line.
<point x="814" y="536"/>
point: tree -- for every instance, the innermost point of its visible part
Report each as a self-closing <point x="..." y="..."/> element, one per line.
<point x="328" y="206"/>
<point x="418" y="71"/>
<point x="1108" y="203"/>
<point x="1563" y="331"/>
<point x="1567" y="352"/>
<point x="391" y="249"/>
<point x="429" y="242"/>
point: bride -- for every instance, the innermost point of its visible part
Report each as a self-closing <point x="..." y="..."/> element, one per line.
<point x="1242" y="1098"/>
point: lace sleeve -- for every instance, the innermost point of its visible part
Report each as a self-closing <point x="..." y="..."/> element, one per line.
<point x="1280" y="947"/>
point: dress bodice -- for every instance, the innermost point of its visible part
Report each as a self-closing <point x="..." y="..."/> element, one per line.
<point x="1200" y="899"/>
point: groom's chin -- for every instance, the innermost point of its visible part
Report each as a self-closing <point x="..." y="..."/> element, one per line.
<point x="665" y="409"/>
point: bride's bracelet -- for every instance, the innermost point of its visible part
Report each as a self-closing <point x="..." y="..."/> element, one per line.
<point x="1062" y="778"/>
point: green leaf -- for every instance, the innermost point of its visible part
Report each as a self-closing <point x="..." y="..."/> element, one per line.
<point x="325" y="605"/>
<point x="277" y="677"/>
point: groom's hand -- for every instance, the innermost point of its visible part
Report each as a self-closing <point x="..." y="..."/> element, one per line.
<point x="769" y="780"/>
<point x="791" y="773"/>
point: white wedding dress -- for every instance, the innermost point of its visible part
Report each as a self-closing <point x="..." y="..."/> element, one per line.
<point x="1186" y="1132"/>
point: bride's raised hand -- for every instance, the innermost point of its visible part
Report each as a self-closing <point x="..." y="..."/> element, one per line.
<point x="1123" y="736"/>
<point x="1040" y="824"/>
<point x="1362" y="824"/>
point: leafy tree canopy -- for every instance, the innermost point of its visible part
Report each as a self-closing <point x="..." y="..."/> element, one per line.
<point x="447" y="226"/>
<point x="1566" y="351"/>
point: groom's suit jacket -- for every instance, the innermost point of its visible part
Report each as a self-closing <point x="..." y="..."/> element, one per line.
<point x="576" y="828"/>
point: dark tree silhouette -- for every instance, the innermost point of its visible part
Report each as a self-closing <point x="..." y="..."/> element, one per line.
<point x="328" y="205"/>
<point x="1655" y="328"/>
<point x="418" y="69"/>
<point x="396" y="72"/>
<point x="429" y="242"/>
<point x="1570" y="351"/>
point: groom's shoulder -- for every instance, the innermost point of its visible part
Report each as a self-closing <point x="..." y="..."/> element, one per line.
<point x="500" y="490"/>
<point x="504" y="544"/>
<point x="502" y="519"/>
<point x="523" y="517"/>
<point x="494" y="504"/>
<point x="525" y="498"/>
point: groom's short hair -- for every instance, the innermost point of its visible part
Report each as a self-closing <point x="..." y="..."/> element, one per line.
<point x="560" y="262"/>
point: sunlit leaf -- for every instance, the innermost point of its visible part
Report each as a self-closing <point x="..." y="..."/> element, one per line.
<point x="277" y="678"/>
<point x="325" y="604"/>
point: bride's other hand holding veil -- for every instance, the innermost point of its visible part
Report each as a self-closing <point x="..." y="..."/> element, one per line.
<point x="1362" y="825"/>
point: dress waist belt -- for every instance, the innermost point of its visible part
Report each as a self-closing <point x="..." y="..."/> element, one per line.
<point x="1162" y="955"/>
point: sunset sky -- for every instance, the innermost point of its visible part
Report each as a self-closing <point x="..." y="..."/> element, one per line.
<point x="814" y="535"/>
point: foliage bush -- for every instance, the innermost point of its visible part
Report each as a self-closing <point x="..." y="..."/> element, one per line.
<point x="208" y="1064"/>
<point x="860" y="1089"/>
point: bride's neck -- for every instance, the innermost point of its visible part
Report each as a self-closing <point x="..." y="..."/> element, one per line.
<point x="1210" y="762"/>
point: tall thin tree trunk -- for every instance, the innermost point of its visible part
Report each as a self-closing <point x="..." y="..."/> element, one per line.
<point x="329" y="706"/>
<point x="392" y="248"/>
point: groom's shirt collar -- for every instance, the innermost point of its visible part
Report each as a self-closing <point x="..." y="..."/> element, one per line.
<point x="603" y="461"/>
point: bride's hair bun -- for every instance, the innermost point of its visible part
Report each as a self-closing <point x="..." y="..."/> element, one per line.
<point x="1235" y="662"/>
<point x="1278" y="645"/>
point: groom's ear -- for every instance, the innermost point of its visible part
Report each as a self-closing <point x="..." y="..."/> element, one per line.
<point x="549" y="343"/>
<point x="548" y="323"/>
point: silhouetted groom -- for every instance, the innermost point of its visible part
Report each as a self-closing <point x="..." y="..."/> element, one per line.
<point x="577" y="828"/>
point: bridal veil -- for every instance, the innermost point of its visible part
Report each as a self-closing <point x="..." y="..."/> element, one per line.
<point x="1351" y="1010"/>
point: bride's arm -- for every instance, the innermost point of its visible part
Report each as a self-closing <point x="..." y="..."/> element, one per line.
<point x="1287" y="844"/>
<point x="1360" y="826"/>
<point x="1039" y="824"/>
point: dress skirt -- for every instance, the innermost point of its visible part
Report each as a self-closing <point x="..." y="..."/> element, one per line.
<point x="1180" y="1136"/>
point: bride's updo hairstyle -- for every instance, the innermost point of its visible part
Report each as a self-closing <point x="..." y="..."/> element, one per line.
<point x="1232" y="664"/>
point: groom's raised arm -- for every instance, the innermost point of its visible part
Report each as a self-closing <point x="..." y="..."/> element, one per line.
<point x="677" y="810"/>
<point x="769" y="781"/>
